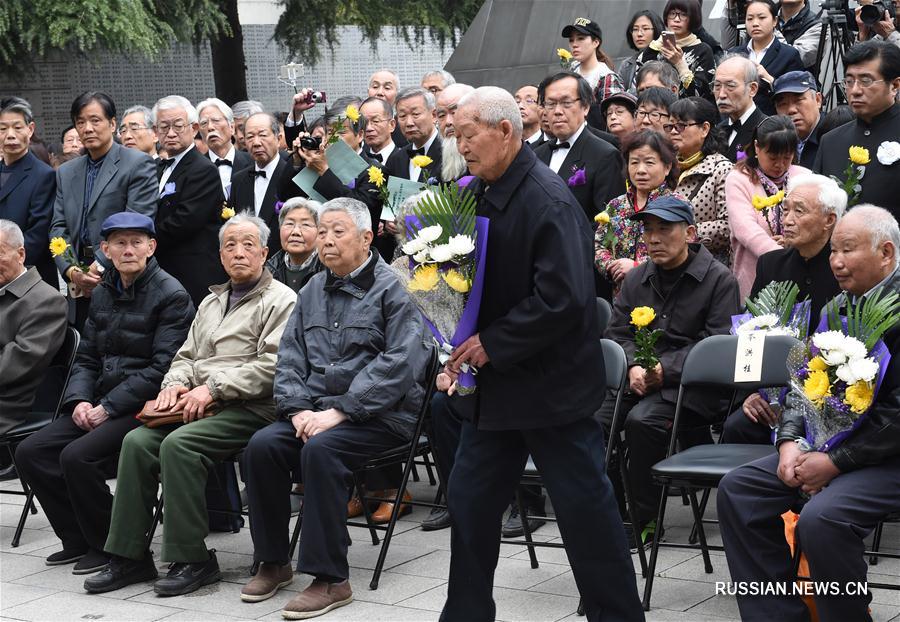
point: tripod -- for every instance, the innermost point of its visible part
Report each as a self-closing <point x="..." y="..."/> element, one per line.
<point x="834" y="41"/>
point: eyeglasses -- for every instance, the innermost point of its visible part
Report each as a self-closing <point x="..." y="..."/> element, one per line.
<point x="211" y="121"/>
<point x="865" y="82"/>
<point x="131" y="128"/>
<point x="549" y="104"/>
<point x="376" y="120"/>
<point x="178" y="126"/>
<point x="677" y="15"/>
<point x="653" y="116"/>
<point x="679" y="127"/>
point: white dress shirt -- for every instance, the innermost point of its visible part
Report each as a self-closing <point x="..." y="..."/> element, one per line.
<point x="224" y="171"/>
<point x="386" y="152"/>
<point x="755" y="56"/>
<point x="261" y="184"/>
<point x="415" y="170"/>
<point x="535" y="137"/>
<point x="559" y="155"/>
<point x="168" y="172"/>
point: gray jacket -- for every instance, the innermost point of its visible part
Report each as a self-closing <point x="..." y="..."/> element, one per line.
<point x="126" y="182"/>
<point x="356" y="345"/>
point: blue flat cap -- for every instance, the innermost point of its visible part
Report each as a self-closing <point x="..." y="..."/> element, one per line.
<point x="668" y="208"/>
<point x="131" y="221"/>
<point x="794" y="82"/>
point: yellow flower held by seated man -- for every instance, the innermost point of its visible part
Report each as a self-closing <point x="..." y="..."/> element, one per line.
<point x="816" y="387"/>
<point x="58" y="246"/>
<point x="422" y="161"/>
<point x="817" y="363"/>
<point x="564" y="54"/>
<point x="352" y="113"/>
<point x="642" y="316"/>
<point x="457" y="281"/>
<point x="859" y="396"/>
<point x="376" y="176"/>
<point x="859" y="155"/>
<point x="227" y="213"/>
<point x="425" y="278"/>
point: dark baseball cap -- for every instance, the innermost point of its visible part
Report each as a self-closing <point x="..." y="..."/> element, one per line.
<point x="127" y="221"/>
<point x="669" y="208"/>
<point x="794" y="82"/>
<point x="585" y="26"/>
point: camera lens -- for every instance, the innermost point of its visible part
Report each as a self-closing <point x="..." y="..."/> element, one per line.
<point x="870" y="14"/>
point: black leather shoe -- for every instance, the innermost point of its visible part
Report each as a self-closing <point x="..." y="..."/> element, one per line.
<point x="512" y="528"/>
<point x="121" y="572"/>
<point x="65" y="556"/>
<point x="91" y="562"/>
<point x="438" y="519"/>
<point x="184" y="578"/>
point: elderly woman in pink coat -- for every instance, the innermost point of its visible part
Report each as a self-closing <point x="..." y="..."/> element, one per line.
<point x="752" y="193"/>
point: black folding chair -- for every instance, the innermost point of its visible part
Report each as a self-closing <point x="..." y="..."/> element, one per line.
<point x="604" y="314"/>
<point x="405" y="454"/>
<point x="47" y="404"/>
<point x="710" y="365"/>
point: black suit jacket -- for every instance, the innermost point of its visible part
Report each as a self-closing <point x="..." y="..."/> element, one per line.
<point x="612" y="139"/>
<point x="778" y="60"/>
<point x="398" y="162"/>
<point x="27" y="199"/>
<point x="281" y="188"/>
<point x="744" y="134"/>
<point x="187" y="225"/>
<point x="602" y="164"/>
<point x="813" y="276"/>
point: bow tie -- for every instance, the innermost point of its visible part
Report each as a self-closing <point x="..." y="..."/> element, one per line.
<point x="734" y="126"/>
<point x="413" y="152"/>
<point x="562" y="145"/>
<point x="255" y="173"/>
<point x="224" y="162"/>
<point x="165" y="163"/>
<point x="375" y="156"/>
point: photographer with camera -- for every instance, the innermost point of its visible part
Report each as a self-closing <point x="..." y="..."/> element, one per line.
<point x="295" y="124"/>
<point x="877" y="21"/>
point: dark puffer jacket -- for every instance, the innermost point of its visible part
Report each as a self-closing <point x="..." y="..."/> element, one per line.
<point x="129" y="340"/>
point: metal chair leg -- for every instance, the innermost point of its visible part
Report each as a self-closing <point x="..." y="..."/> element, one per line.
<point x="654" y="549"/>
<point x="635" y="523"/>
<point x="360" y="491"/>
<point x="427" y="462"/>
<point x="526" y="528"/>
<point x="876" y="543"/>
<point x="392" y="523"/>
<point x="703" y="501"/>
<point x="295" y="537"/>
<point x="157" y="515"/>
<point x="29" y="503"/>
<point x="701" y="533"/>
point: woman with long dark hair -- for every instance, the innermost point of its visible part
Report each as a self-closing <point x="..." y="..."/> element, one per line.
<point x="703" y="170"/>
<point x="644" y="27"/>
<point x="752" y="190"/>
<point x="651" y="172"/>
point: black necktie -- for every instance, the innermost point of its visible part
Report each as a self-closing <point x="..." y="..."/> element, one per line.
<point x="562" y="145"/>
<point x="255" y="173"/>
<point x="165" y="163"/>
<point x="223" y="162"/>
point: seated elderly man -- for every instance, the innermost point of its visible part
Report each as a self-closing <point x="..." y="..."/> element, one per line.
<point x="813" y="206"/>
<point x="693" y="297"/>
<point x="848" y="488"/>
<point x="138" y="318"/>
<point x="345" y="389"/>
<point x="33" y="326"/>
<point x="297" y="261"/>
<point x="221" y="384"/>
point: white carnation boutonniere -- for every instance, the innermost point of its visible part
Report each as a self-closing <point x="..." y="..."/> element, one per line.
<point x="888" y="152"/>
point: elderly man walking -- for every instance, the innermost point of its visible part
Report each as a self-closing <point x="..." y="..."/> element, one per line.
<point x="347" y="386"/>
<point x="221" y="383"/>
<point x="540" y="379"/>
<point x="848" y="489"/>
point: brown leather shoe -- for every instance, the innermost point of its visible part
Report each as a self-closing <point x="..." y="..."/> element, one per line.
<point x="269" y="579"/>
<point x="354" y="507"/>
<point x="383" y="513"/>
<point x="319" y="598"/>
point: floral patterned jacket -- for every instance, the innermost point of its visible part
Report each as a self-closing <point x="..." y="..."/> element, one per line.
<point x="627" y="242"/>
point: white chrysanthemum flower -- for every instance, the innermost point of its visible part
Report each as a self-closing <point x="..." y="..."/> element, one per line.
<point x="761" y="322"/>
<point x="421" y="256"/>
<point x="430" y="234"/>
<point x="461" y="245"/>
<point x="854" y="349"/>
<point x="858" y="369"/>
<point x="414" y="246"/>
<point x="441" y="253"/>
<point x="829" y="340"/>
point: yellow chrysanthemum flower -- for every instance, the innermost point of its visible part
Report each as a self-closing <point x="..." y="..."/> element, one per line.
<point x="376" y="176"/>
<point x="642" y="316"/>
<point x="816" y="386"/>
<point x="425" y="278"/>
<point x="817" y="363"/>
<point x="352" y="113"/>
<point x="227" y="213"/>
<point x="759" y="203"/>
<point x="859" y="155"/>
<point x="564" y="54"/>
<point x="422" y="161"/>
<point x="58" y="246"/>
<point x="776" y="198"/>
<point x="859" y="396"/>
<point x="457" y="281"/>
<point x="602" y="218"/>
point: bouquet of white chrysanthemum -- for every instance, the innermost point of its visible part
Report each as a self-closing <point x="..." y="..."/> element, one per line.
<point x="774" y="311"/>
<point x="836" y="376"/>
